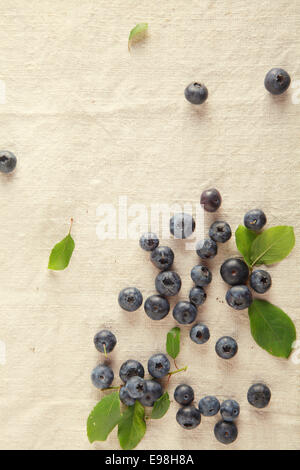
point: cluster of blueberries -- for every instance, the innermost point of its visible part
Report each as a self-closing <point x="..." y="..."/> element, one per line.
<point x="277" y="82"/>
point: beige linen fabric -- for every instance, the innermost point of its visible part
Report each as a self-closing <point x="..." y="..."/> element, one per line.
<point x="90" y="122"/>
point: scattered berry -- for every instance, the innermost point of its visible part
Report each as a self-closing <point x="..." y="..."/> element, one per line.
<point x="255" y="219"/>
<point x="234" y="271"/>
<point x="239" y="297"/>
<point x="201" y="275"/>
<point x="199" y="333"/>
<point x="130" y="299"/>
<point x="136" y="387"/>
<point x="226" y="347"/>
<point x="226" y="432"/>
<point x="105" y="341"/>
<point x="230" y="409"/>
<point x="102" y="376"/>
<point x="196" y="93"/>
<point x="149" y="241"/>
<point x="125" y="397"/>
<point x="182" y="225"/>
<point x="185" y="312"/>
<point x="259" y="395"/>
<point x="157" y="307"/>
<point x="209" y="405"/>
<point x="197" y="295"/>
<point x="168" y="283"/>
<point x="153" y="393"/>
<point x="220" y="231"/>
<point x="131" y="368"/>
<point x="206" y="248"/>
<point x="188" y="417"/>
<point x="260" y="281"/>
<point x="162" y="257"/>
<point x="211" y="200"/>
<point x="8" y="161"/>
<point x="277" y="81"/>
<point x="184" y="394"/>
<point x="158" y="365"/>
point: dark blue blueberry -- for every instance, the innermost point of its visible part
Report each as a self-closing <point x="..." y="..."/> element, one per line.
<point x="168" y="283"/>
<point x="105" y="338"/>
<point x="149" y="241"/>
<point x="102" y="376"/>
<point x="125" y="397"/>
<point x="259" y="395"/>
<point x="199" y="333"/>
<point x="162" y="257"/>
<point x="230" y="409"/>
<point x="197" y="295"/>
<point x="153" y="393"/>
<point x="220" y="231"/>
<point x="255" y="219"/>
<point x="260" y="281"/>
<point x="8" y="161"/>
<point x="188" y="417"/>
<point x="184" y="394"/>
<point x="185" y="312"/>
<point x="211" y="200"/>
<point x="277" y="81"/>
<point x="226" y="347"/>
<point x="130" y="299"/>
<point x="157" y="307"/>
<point x="131" y="368"/>
<point x="158" y="365"/>
<point x="196" y="93"/>
<point x="136" y="387"/>
<point x="182" y="225"/>
<point x="206" y="248"/>
<point x="209" y="405"/>
<point x="226" y="432"/>
<point x="201" y="275"/>
<point x="239" y="297"/>
<point x="234" y="271"/>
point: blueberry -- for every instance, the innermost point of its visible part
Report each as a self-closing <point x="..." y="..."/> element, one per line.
<point x="197" y="295"/>
<point x="130" y="299"/>
<point x="162" y="257"/>
<point x="105" y="338"/>
<point x="196" y="93"/>
<point x="136" y="387"/>
<point x="220" y="231"/>
<point x="230" y="409"/>
<point x="125" y="397"/>
<point x="209" y="405"/>
<point x="168" y="283"/>
<point x="182" y="225"/>
<point x="201" y="275"/>
<point x="153" y="393"/>
<point x="184" y="394"/>
<point x="226" y="432"/>
<point x="149" y="241"/>
<point x="8" y="161"/>
<point x="211" y="200"/>
<point x="157" y="307"/>
<point x="158" y="365"/>
<point x="185" y="312"/>
<point x="239" y="297"/>
<point x="188" y="417"/>
<point x="259" y="395"/>
<point x="206" y="248"/>
<point x="260" y="281"/>
<point x="226" y="347"/>
<point x="255" y="219"/>
<point x="277" y="81"/>
<point x="131" y="368"/>
<point x="234" y="271"/>
<point x="102" y="376"/>
<point x="199" y="333"/>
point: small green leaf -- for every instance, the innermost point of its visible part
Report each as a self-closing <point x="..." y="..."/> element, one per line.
<point x="61" y="253"/>
<point x="104" y="417"/>
<point x="272" y="329"/>
<point x="173" y="342"/>
<point x="132" y="426"/>
<point x="161" y="406"/>
<point x="137" y="32"/>
<point x="244" y="239"/>
<point x="272" y="245"/>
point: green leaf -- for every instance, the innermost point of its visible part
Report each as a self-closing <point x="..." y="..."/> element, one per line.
<point x="272" y="329"/>
<point x="104" y="417"/>
<point x="272" y="245"/>
<point x="173" y="342"/>
<point x="244" y="239"/>
<point x="161" y="406"/>
<point x="137" y="32"/>
<point x="132" y="426"/>
<point x="61" y="253"/>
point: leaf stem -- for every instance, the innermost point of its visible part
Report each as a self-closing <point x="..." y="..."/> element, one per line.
<point x="183" y="369"/>
<point x="105" y="352"/>
<point x="110" y="388"/>
<point x="71" y="224"/>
